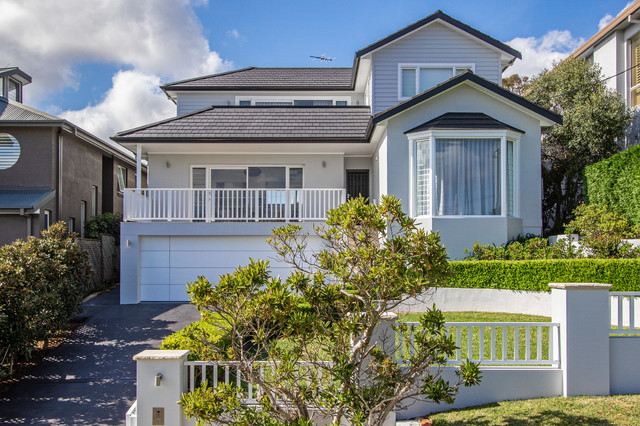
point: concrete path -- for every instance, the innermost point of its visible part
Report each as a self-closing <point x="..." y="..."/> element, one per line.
<point x="90" y="379"/>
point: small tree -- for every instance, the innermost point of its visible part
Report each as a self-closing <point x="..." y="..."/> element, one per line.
<point x="594" y="121"/>
<point x="316" y="333"/>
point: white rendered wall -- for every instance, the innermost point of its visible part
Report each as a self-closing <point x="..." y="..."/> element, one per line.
<point x="605" y="54"/>
<point x="174" y="170"/>
<point x="623" y="364"/>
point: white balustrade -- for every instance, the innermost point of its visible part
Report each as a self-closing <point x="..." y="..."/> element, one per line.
<point x="625" y="312"/>
<point x="188" y="204"/>
<point x="493" y="343"/>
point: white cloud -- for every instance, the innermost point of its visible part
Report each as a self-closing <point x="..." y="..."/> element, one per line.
<point x="134" y="100"/>
<point x="541" y="53"/>
<point x="155" y="38"/>
<point x="604" y="21"/>
<point x="235" y="34"/>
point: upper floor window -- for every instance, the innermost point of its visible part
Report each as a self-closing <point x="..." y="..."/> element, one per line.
<point x="463" y="175"/>
<point x="634" y="99"/>
<point x="14" y="91"/>
<point x="290" y="102"/>
<point x="416" y="78"/>
<point x="122" y="179"/>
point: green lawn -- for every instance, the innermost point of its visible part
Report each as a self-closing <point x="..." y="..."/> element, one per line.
<point x="607" y="410"/>
<point x="498" y="336"/>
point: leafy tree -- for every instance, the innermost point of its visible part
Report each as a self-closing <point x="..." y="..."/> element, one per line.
<point x="312" y="343"/>
<point x="515" y="83"/>
<point x="594" y="120"/>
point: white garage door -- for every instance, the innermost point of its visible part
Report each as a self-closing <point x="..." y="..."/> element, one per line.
<point x="168" y="263"/>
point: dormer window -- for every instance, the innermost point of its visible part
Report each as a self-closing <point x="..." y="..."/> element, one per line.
<point x="11" y="82"/>
<point x="14" y="90"/>
<point x="416" y="78"/>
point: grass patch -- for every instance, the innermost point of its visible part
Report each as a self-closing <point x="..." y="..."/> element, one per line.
<point x="607" y="410"/>
<point x="504" y="338"/>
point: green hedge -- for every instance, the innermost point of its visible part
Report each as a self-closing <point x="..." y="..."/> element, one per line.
<point x="615" y="182"/>
<point x="535" y="275"/>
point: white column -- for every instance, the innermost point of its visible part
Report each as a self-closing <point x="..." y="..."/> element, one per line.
<point x="161" y="380"/>
<point x="582" y="309"/>
<point x="138" y="166"/>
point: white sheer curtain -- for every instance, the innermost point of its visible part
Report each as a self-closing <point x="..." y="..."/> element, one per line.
<point x="467" y="176"/>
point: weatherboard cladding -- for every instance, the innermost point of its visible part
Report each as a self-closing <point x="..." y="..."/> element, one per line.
<point x="270" y="78"/>
<point x="435" y="44"/>
<point x="463" y="120"/>
<point x="260" y="123"/>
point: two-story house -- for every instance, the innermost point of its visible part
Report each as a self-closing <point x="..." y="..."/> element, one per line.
<point x="421" y="114"/>
<point x="51" y="170"/>
<point x="616" y="49"/>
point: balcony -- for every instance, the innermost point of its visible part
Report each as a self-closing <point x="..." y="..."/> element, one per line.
<point x="226" y="205"/>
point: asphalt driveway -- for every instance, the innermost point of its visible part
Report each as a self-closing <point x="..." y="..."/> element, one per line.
<point x="90" y="378"/>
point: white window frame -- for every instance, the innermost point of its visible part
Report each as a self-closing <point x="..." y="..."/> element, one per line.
<point x="454" y="67"/>
<point x="125" y="178"/>
<point x="291" y="99"/>
<point x="629" y="77"/>
<point x="431" y="136"/>
<point x="47" y="219"/>
<point x="209" y="167"/>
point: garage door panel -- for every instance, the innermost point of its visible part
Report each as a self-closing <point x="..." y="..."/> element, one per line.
<point x="215" y="259"/>
<point x="159" y="258"/>
<point x="224" y="242"/>
<point x="178" y="293"/>
<point x="150" y="276"/>
<point x="154" y="243"/>
<point x="154" y="293"/>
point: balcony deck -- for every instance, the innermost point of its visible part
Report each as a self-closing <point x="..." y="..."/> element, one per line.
<point x="224" y="205"/>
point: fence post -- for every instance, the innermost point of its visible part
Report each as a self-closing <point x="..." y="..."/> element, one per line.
<point x="582" y="309"/>
<point x="161" y="380"/>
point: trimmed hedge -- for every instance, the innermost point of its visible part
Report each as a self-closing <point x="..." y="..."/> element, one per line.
<point x="615" y="182"/>
<point x="535" y="275"/>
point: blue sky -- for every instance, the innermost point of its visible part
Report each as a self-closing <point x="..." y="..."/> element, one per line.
<point x="100" y="66"/>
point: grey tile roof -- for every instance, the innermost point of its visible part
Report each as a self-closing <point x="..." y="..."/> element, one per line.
<point x="15" y="111"/>
<point x="270" y="79"/>
<point x="463" y="120"/>
<point x="234" y="123"/>
<point x="24" y="198"/>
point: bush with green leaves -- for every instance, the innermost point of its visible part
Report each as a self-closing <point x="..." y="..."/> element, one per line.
<point x="195" y="338"/>
<point x="615" y="183"/>
<point x="42" y="282"/>
<point x="316" y="329"/>
<point x="535" y="275"/>
<point x="603" y="230"/>
<point x="524" y="248"/>
<point x="106" y="223"/>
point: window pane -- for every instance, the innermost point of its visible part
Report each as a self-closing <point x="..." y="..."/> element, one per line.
<point x="341" y="103"/>
<point x="13" y="91"/>
<point x="408" y="82"/>
<point x="9" y="151"/>
<point x="460" y="70"/>
<point x="122" y="179"/>
<point x="430" y="77"/>
<point x="467" y="178"/>
<point x="244" y="103"/>
<point x="423" y="177"/>
<point x="267" y="177"/>
<point x="228" y="178"/>
<point x="511" y="208"/>
<point x="274" y="103"/>
<point x="295" y="178"/>
<point x="313" y="102"/>
<point x="199" y="177"/>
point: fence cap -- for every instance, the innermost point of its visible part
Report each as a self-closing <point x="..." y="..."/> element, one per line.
<point x="161" y="355"/>
<point x="580" y="286"/>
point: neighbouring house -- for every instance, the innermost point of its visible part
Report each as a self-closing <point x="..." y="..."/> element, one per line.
<point x="616" y="49"/>
<point x="421" y="115"/>
<point x="51" y="169"/>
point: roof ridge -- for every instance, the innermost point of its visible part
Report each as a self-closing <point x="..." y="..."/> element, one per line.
<point x="207" y="76"/>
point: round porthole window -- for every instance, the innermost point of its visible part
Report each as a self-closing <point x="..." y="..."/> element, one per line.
<point x="9" y="151"/>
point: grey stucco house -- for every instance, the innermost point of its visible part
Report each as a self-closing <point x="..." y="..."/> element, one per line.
<point x="421" y="114"/>
<point x="51" y="170"/>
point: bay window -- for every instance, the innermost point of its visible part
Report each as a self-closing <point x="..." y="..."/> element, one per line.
<point x="464" y="174"/>
<point x="416" y="78"/>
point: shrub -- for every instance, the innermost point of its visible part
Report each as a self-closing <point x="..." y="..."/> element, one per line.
<point x="524" y="248"/>
<point x="106" y="223"/>
<point x="197" y="337"/>
<point x="615" y="183"/>
<point x="535" y="275"/>
<point x="42" y="282"/>
<point x="603" y="231"/>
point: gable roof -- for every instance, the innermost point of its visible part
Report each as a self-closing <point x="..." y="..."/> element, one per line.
<point x="254" y="78"/>
<point x="466" y="76"/>
<point x="448" y="19"/>
<point x="257" y="124"/>
<point x="463" y="120"/>
<point x="623" y="20"/>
